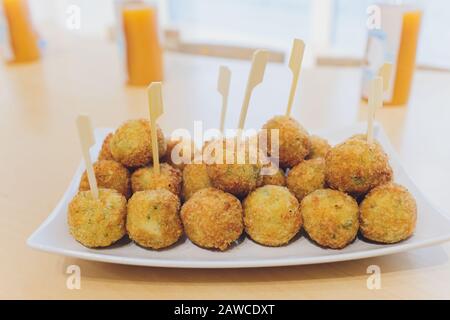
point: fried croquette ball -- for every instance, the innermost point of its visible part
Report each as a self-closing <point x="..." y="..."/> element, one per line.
<point x="195" y="178"/>
<point x="131" y="144"/>
<point x="232" y="176"/>
<point x="212" y="218"/>
<point x="146" y="178"/>
<point x="294" y="143"/>
<point x="388" y="214"/>
<point x="271" y="215"/>
<point x="319" y="147"/>
<point x="330" y="217"/>
<point x="356" y="166"/>
<point x="363" y="137"/>
<point x="153" y="218"/>
<point x="181" y="146"/>
<point x="105" y="151"/>
<point x="360" y="136"/>
<point x="306" y="177"/>
<point x="110" y="175"/>
<point x="277" y="179"/>
<point x="97" y="222"/>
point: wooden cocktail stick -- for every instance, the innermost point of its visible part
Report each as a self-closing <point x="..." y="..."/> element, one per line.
<point x="295" y="64"/>
<point x="385" y="72"/>
<point x="87" y="141"/>
<point x="255" y="77"/>
<point x="156" y="109"/>
<point x="375" y="102"/>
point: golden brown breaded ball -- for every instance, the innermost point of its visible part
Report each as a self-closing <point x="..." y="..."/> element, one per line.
<point x="195" y="178"/>
<point x="319" y="147"/>
<point x="147" y="179"/>
<point x="363" y="136"/>
<point x="97" y="222"/>
<point x="238" y="177"/>
<point x="131" y="144"/>
<point x="105" y="151"/>
<point x="360" y="136"/>
<point x="294" y="143"/>
<point x="306" y="177"/>
<point x="110" y="174"/>
<point x="212" y="218"/>
<point x="206" y="143"/>
<point x="271" y="215"/>
<point x="388" y="214"/>
<point x="330" y="217"/>
<point x="153" y="218"/>
<point x="182" y="145"/>
<point x="356" y="166"/>
<point x="277" y="179"/>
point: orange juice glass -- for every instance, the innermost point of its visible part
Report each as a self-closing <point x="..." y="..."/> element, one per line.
<point x="395" y="41"/>
<point x="144" y="56"/>
<point x="406" y="60"/>
<point x="22" y="38"/>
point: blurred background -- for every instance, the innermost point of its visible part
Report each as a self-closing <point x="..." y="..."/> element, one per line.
<point x="334" y="29"/>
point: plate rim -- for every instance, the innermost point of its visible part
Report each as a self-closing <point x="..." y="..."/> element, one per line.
<point x="256" y="263"/>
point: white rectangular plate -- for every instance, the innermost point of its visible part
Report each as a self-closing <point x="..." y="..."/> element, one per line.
<point x="432" y="227"/>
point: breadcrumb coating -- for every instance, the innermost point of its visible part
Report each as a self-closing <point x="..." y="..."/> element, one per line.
<point x="306" y="177"/>
<point x="182" y="146"/>
<point x="277" y="179"/>
<point x="356" y="166"/>
<point x="153" y="218"/>
<point x="271" y="215"/>
<point x="236" y="178"/>
<point x="195" y="178"/>
<point x="131" y="144"/>
<point x="212" y="219"/>
<point x="97" y="222"/>
<point x="388" y="214"/>
<point x="330" y="217"/>
<point x="319" y="147"/>
<point x="105" y="151"/>
<point x="146" y="178"/>
<point x="294" y="142"/>
<point x="110" y="174"/>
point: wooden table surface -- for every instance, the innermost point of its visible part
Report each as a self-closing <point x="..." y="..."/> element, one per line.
<point x="40" y="152"/>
